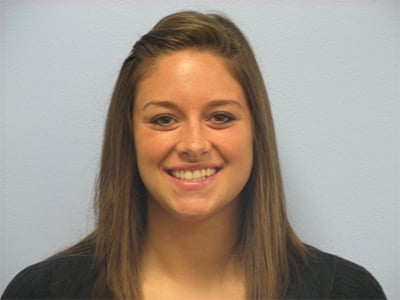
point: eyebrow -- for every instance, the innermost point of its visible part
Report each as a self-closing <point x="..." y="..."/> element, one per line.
<point x="162" y="103"/>
<point x="213" y="103"/>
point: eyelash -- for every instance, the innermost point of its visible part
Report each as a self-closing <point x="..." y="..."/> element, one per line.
<point x="227" y="118"/>
<point x="160" y="120"/>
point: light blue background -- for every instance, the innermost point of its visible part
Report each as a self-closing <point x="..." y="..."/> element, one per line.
<point x="332" y="71"/>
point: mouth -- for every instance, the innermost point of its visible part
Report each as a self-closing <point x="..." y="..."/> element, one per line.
<point x="193" y="175"/>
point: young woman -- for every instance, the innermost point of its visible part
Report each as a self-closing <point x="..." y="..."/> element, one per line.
<point x="190" y="202"/>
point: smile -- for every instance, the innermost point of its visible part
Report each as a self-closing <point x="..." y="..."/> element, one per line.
<point x="195" y="175"/>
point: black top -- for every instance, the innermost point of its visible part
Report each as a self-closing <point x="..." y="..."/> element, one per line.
<point x="72" y="277"/>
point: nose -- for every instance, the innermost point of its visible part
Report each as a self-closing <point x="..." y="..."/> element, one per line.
<point x="194" y="143"/>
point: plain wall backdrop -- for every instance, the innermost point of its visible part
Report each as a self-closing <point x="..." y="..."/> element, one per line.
<point x="332" y="72"/>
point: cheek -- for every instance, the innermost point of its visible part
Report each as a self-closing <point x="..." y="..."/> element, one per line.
<point x="144" y="150"/>
<point x="239" y="145"/>
<point x="244" y="150"/>
<point x="146" y="157"/>
<point x="150" y="147"/>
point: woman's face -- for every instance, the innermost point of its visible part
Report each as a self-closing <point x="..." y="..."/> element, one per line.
<point x="193" y="136"/>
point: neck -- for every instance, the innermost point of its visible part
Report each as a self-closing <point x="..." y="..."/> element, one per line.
<point x="192" y="250"/>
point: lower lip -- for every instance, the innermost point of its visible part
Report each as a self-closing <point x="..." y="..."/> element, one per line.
<point x="193" y="185"/>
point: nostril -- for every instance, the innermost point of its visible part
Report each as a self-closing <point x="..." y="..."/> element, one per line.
<point x="193" y="147"/>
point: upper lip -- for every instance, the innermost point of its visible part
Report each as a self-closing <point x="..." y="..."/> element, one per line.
<point x="193" y="167"/>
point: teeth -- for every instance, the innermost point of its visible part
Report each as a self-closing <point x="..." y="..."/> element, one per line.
<point x="193" y="175"/>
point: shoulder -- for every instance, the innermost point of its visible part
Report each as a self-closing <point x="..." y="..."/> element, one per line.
<point x="57" y="277"/>
<point x="330" y="276"/>
<point x="345" y="279"/>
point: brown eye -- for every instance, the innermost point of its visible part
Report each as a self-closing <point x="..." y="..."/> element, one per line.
<point x="163" y="121"/>
<point x="222" y="118"/>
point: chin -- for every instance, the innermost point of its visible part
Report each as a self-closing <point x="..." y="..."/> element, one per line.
<point x="193" y="215"/>
<point x="199" y="213"/>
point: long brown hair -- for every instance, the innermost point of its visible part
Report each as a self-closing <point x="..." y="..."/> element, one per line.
<point x="269" y="247"/>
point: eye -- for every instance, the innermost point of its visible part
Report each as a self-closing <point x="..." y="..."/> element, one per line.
<point x="222" y="118"/>
<point x="163" y="121"/>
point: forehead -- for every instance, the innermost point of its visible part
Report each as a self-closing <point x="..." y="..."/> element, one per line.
<point x="188" y="70"/>
<point x="184" y="59"/>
